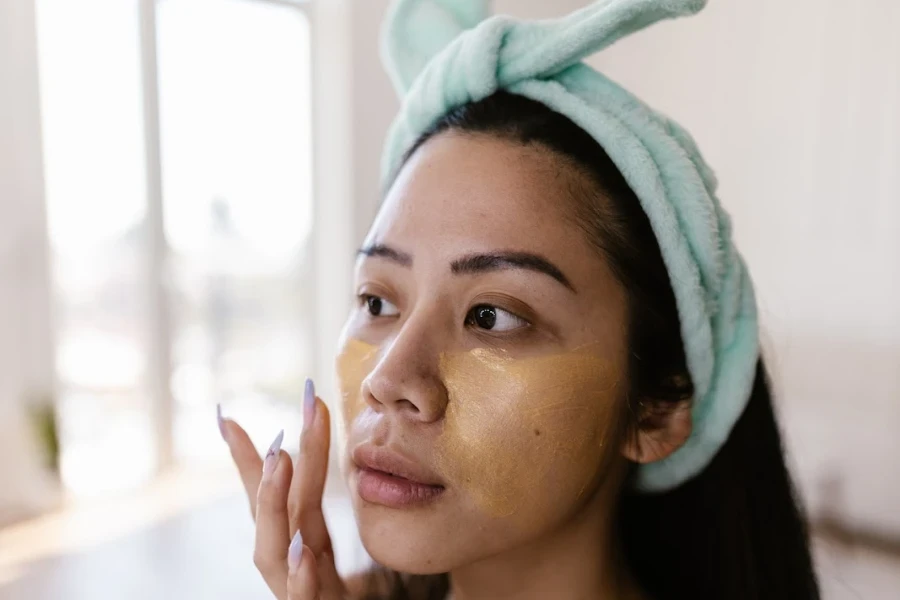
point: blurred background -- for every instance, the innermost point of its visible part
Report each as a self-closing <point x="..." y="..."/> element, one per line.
<point x="183" y="184"/>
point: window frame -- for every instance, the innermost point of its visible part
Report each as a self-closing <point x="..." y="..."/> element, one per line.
<point x="330" y="226"/>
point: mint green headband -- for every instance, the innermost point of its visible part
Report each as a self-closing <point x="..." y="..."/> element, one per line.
<point x="442" y="54"/>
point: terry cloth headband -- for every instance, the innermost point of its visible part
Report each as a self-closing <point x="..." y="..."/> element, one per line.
<point x="442" y="54"/>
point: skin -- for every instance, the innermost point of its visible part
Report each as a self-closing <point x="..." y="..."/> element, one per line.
<point x="511" y="425"/>
<point x="521" y="421"/>
<point x="510" y="199"/>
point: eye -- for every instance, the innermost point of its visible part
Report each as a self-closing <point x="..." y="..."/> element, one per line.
<point x="492" y="318"/>
<point x="379" y="307"/>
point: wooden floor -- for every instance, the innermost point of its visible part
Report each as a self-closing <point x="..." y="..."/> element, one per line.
<point x="191" y="555"/>
<point x="187" y="537"/>
<point x="198" y="546"/>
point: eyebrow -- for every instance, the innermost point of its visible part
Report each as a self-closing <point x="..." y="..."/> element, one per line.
<point x="391" y="254"/>
<point x="478" y="263"/>
<point x="498" y="261"/>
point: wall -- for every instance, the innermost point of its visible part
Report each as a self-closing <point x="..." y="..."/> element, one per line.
<point x="795" y="104"/>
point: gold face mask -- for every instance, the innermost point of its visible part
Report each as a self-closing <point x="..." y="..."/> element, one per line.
<point x="510" y="423"/>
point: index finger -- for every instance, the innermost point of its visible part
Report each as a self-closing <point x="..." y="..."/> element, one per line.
<point x="310" y="473"/>
<point x="245" y="456"/>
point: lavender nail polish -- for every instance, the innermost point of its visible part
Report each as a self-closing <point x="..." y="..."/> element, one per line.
<point x="221" y="421"/>
<point x="309" y="404"/>
<point x="272" y="455"/>
<point x="295" y="551"/>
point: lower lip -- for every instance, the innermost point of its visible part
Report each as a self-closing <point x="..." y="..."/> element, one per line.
<point x="382" y="488"/>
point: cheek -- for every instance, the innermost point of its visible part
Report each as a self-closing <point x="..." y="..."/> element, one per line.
<point x="526" y="431"/>
<point x="355" y="360"/>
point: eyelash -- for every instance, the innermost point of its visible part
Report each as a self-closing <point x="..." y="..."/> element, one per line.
<point x="365" y="301"/>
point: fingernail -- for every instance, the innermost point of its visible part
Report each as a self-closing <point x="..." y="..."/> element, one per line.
<point x="221" y="421"/>
<point x="272" y="455"/>
<point x="309" y="404"/>
<point x="295" y="552"/>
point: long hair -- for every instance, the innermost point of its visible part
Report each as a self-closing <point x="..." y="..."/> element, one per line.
<point x="736" y="531"/>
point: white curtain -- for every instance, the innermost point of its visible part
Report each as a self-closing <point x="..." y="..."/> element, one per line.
<point x="26" y="354"/>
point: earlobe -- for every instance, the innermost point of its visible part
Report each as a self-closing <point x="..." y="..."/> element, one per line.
<point x="661" y="429"/>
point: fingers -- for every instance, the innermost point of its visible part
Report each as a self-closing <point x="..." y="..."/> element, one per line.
<point x="245" y="456"/>
<point x="329" y="580"/>
<point x="272" y="537"/>
<point x="286" y="498"/>
<point x="310" y="474"/>
<point x="303" y="577"/>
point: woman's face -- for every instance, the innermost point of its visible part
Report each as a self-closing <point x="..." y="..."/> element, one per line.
<point x="483" y="370"/>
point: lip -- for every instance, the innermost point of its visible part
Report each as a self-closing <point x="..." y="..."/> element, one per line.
<point x="391" y="479"/>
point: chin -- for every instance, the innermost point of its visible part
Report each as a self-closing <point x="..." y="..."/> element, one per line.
<point x="414" y="540"/>
<point x="404" y="553"/>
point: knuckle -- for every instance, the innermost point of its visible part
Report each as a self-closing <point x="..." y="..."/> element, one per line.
<point x="294" y="587"/>
<point x="307" y="513"/>
<point x="268" y="498"/>
<point x="294" y="513"/>
<point x="263" y="563"/>
<point x="264" y="503"/>
<point x="264" y="493"/>
<point x="303" y="513"/>
<point x="299" y="588"/>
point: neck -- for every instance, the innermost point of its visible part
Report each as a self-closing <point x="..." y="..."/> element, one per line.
<point x="577" y="561"/>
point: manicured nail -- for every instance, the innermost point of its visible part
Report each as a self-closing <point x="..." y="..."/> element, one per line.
<point x="309" y="404"/>
<point x="295" y="552"/>
<point x="272" y="455"/>
<point x="221" y="421"/>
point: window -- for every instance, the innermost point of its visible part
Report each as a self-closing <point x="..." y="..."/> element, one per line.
<point x="235" y="154"/>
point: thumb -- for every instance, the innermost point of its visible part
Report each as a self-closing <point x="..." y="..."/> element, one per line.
<point x="331" y="583"/>
<point x="303" y="578"/>
<point x="310" y="578"/>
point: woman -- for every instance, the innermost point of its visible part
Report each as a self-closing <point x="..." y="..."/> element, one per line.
<point x="551" y="385"/>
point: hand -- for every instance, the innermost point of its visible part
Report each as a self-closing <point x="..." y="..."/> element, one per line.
<point x="293" y="550"/>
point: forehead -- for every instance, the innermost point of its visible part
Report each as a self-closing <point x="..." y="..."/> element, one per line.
<point x="462" y="194"/>
<point x="481" y="192"/>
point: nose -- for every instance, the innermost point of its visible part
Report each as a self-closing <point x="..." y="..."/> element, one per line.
<point x="406" y="380"/>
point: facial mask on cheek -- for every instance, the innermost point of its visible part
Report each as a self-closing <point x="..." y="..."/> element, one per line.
<point x="511" y="424"/>
<point x="353" y="364"/>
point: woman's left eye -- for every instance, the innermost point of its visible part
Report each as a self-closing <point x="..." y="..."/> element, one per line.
<point x="492" y="318"/>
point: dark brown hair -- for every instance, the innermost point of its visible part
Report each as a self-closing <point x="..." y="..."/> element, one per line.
<point x="736" y="530"/>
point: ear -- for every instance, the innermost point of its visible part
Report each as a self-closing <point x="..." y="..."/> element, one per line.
<point x="662" y="428"/>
